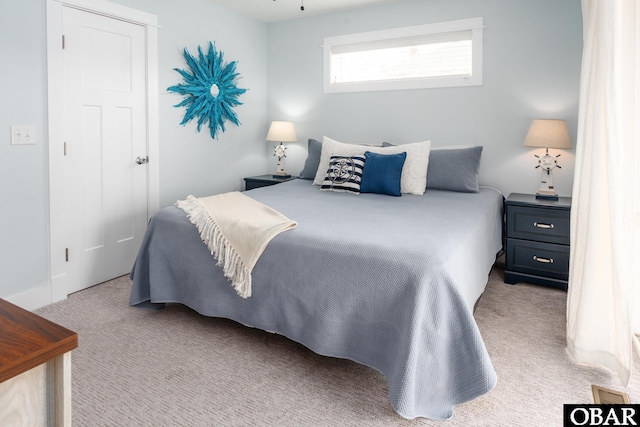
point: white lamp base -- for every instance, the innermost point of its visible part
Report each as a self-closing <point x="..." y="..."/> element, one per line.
<point x="281" y="171"/>
<point x="546" y="190"/>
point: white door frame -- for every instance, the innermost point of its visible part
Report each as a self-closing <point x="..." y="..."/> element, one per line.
<point x="58" y="223"/>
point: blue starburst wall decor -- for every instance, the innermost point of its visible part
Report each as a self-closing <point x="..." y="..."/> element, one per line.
<point x="209" y="89"/>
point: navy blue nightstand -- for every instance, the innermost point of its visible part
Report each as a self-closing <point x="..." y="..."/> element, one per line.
<point x="537" y="240"/>
<point x="263" y="181"/>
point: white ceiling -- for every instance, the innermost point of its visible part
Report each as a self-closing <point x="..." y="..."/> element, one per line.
<point x="281" y="10"/>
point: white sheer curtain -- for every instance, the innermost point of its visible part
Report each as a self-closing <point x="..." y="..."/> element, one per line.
<point x="600" y="306"/>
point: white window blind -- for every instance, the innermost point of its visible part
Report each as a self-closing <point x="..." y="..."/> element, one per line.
<point x="432" y="55"/>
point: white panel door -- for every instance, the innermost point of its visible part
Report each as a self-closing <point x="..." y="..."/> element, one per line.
<point x="105" y="131"/>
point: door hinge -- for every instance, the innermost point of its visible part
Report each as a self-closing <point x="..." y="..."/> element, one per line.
<point x="63" y="41"/>
<point x="66" y="254"/>
<point x="65" y="148"/>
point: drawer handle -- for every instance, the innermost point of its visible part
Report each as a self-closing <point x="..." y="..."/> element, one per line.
<point x="542" y="225"/>
<point x="543" y="260"/>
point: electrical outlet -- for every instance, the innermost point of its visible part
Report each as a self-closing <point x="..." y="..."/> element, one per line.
<point x="23" y="134"/>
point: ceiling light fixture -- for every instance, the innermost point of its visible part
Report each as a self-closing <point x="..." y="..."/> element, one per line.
<point x="301" y="4"/>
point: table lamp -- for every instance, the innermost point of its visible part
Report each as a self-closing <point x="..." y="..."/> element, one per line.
<point x="547" y="133"/>
<point x="283" y="132"/>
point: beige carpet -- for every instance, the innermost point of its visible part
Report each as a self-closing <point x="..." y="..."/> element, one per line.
<point x="177" y="368"/>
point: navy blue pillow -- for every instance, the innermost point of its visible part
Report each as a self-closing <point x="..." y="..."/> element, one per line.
<point x="382" y="173"/>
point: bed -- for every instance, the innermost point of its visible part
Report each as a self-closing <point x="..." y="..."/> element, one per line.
<point x="389" y="282"/>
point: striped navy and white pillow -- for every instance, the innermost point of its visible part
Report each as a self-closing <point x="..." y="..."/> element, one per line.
<point x="344" y="174"/>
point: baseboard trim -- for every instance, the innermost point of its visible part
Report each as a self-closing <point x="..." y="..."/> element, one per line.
<point x="32" y="299"/>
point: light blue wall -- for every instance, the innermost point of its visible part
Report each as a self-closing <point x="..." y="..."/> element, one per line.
<point x="191" y="162"/>
<point x="532" y="59"/>
<point x="24" y="203"/>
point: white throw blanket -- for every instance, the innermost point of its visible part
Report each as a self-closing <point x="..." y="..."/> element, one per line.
<point x="236" y="229"/>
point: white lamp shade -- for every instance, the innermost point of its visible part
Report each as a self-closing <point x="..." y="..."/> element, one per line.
<point x="548" y="133"/>
<point x="282" y="132"/>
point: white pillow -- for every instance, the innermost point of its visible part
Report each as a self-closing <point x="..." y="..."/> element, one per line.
<point x="414" y="171"/>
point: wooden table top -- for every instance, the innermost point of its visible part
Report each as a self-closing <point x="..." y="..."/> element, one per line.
<point x="28" y="340"/>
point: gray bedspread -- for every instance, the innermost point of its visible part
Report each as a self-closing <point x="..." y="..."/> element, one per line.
<point x="389" y="282"/>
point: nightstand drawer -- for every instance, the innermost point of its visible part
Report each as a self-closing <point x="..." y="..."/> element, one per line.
<point x="548" y="225"/>
<point x="537" y="258"/>
<point x="250" y="184"/>
<point x="253" y="182"/>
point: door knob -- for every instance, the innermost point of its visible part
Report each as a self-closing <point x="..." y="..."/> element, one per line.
<point x="142" y="160"/>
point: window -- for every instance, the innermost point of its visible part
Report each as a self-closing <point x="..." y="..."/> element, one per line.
<point x="433" y="55"/>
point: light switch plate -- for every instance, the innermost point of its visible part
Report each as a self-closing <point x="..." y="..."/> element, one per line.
<point x="23" y="134"/>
